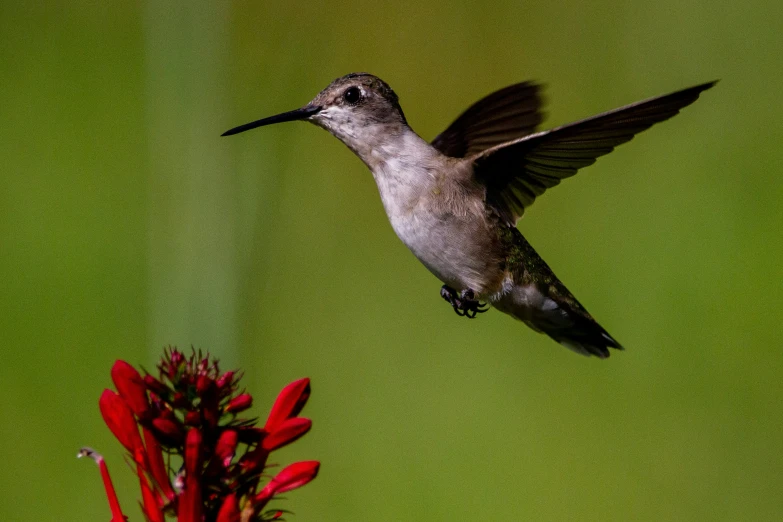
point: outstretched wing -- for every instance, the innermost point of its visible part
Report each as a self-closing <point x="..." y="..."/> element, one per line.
<point x="516" y="173"/>
<point x="504" y="115"/>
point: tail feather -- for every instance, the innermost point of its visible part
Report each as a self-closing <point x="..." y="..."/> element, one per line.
<point x="560" y="316"/>
<point x="588" y="338"/>
<point x="533" y="294"/>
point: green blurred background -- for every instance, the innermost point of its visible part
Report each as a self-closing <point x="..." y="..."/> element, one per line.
<point x="127" y="223"/>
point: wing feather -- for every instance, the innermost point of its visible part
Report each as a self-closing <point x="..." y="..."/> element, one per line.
<point x="517" y="172"/>
<point x="502" y="116"/>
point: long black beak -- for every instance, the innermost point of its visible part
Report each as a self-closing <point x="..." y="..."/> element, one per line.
<point x="298" y="114"/>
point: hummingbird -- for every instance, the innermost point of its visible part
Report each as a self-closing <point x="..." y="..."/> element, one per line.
<point x="455" y="201"/>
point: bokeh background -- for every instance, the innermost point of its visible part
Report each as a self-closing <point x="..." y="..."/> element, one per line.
<point x="127" y="223"/>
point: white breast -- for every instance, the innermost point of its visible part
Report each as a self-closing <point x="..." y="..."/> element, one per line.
<point x="408" y="171"/>
<point x="437" y="236"/>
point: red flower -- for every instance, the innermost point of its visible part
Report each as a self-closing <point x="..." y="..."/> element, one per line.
<point x="114" y="504"/>
<point x="292" y="477"/>
<point x="190" y="498"/>
<point x="286" y="432"/>
<point x="229" y="511"/>
<point x="239" y="403"/>
<point x="119" y="418"/>
<point x="190" y="411"/>
<point x="130" y="386"/>
<point x="289" y="403"/>
<point x="226" y="447"/>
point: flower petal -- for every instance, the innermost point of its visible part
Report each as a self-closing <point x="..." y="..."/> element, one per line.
<point x="253" y="461"/>
<point x="225" y="380"/>
<point x="287" y="432"/>
<point x="111" y="494"/>
<point x="289" y="403"/>
<point x="157" y="465"/>
<point x="130" y="385"/>
<point x="192" y="418"/>
<point x="151" y="501"/>
<point x="239" y="403"/>
<point x="190" y="499"/>
<point x="291" y="477"/>
<point x="229" y="511"/>
<point x="170" y="430"/>
<point x="204" y="384"/>
<point x="226" y="446"/>
<point x="119" y="418"/>
<point x="156" y="387"/>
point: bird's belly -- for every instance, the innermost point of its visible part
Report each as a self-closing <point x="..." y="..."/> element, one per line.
<point x="447" y="245"/>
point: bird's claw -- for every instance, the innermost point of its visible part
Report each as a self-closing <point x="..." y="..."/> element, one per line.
<point x="464" y="303"/>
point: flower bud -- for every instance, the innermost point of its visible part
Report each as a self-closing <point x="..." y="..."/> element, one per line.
<point x="239" y="403"/>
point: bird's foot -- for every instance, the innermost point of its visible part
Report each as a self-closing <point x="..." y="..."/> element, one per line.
<point x="464" y="302"/>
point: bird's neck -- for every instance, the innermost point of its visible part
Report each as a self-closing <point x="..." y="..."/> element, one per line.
<point x="405" y="167"/>
<point x="387" y="146"/>
<point x="403" y="164"/>
<point x="381" y="147"/>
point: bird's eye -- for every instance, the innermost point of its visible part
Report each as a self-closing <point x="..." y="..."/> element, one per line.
<point x="352" y="95"/>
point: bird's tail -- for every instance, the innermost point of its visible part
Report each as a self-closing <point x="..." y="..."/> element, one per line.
<point x="586" y="337"/>
<point x="533" y="294"/>
<point x="558" y="314"/>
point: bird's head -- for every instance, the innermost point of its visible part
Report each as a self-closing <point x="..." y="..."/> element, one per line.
<point x="360" y="109"/>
